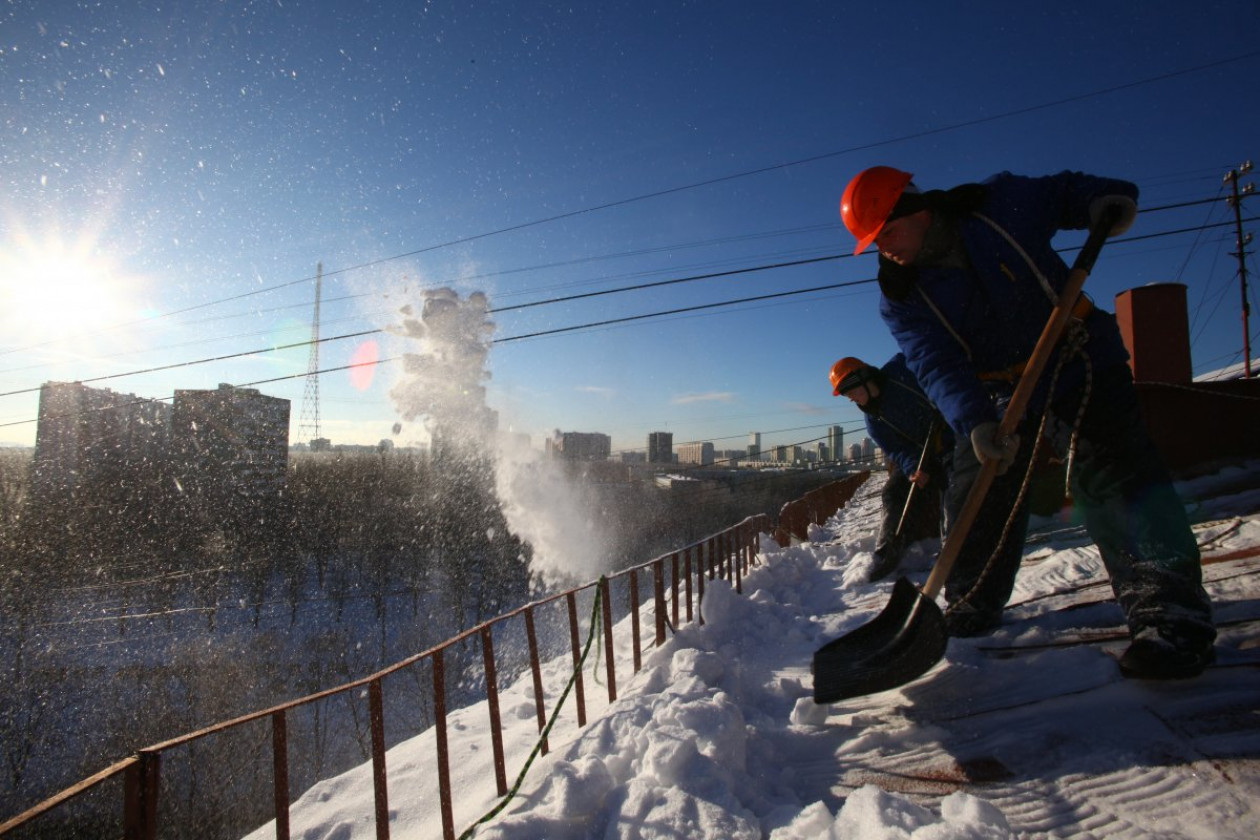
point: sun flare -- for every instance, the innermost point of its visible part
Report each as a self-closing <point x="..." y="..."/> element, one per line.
<point x="51" y="290"/>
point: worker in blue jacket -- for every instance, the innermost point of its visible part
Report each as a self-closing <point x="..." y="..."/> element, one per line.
<point x="907" y="427"/>
<point x="968" y="279"/>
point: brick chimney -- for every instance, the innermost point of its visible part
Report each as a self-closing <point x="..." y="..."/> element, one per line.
<point x="1156" y="330"/>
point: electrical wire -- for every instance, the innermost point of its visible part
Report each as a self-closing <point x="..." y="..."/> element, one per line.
<point x="719" y="180"/>
<point x="525" y="336"/>
<point x="569" y="298"/>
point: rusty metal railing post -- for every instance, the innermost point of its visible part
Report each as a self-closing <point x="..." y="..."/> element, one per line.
<point x="443" y="747"/>
<point x="738" y="559"/>
<point x="745" y="544"/>
<point x="140" y="796"/>
<point x="635" y="632"/>
<point x="575" y="641"/>
<point x="700" y="575"/>
<point x="727" y="565"/>
<point x="492" y="704"/>
<point x="673" y="586"/>
<point x="688" y="576"/>
<point x="608" y="638"/>
<point x="658" y="591"/>
<point x="535" y="667"/>
<point x="380" y="787"/>
<point x="723" y="558"/>
<point x="280" y="771"/>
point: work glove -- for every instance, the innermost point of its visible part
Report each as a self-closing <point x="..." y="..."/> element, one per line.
<point x="1126" y="206"/>
<point x="988" y="448"/>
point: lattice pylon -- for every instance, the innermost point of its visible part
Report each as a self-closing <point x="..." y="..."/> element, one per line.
<point x="308" y="423"/>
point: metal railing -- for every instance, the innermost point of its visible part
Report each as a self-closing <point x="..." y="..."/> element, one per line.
<point x="727" y="555"/>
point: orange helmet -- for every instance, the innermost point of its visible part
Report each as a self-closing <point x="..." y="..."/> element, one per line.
<point x="842" y="370"/>
<point x="869" y="199"/>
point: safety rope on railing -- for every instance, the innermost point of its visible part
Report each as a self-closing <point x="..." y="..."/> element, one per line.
<point x="542" y="738"/>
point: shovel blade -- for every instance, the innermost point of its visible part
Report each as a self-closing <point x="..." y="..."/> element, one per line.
<point x="895" y="647"/>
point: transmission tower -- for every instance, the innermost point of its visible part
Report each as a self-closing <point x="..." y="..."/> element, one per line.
<point x="308" y="424"/>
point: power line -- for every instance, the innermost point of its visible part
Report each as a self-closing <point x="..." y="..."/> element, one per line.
<point x="1056" y="103"/>
<point x="601" y="293"/>
<point x="544" y="333"/>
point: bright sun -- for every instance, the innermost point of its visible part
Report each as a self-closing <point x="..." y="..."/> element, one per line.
<point x="51" y="290"/>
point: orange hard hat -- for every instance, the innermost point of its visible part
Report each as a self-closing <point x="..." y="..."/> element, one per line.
<point x="842" y="370"/>
<point x="868" y="201"/>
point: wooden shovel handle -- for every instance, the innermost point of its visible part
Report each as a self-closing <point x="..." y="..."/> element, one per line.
<point x="927" y="445"/>
<point x="1036" y="365"/>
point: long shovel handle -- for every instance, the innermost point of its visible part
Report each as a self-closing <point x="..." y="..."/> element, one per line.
<point x="1036" y="365"/>
<point x="927" y="444"/>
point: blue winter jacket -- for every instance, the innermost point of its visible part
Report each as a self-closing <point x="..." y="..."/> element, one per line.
<point x="997" y="307"/>
<point x="901" y="417"/>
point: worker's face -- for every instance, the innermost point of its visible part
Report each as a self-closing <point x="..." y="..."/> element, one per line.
<point x="863" y="394"/>
<point x="902" y="239"/>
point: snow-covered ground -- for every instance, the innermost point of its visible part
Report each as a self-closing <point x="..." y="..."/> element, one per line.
<point x="1028" y="732"/>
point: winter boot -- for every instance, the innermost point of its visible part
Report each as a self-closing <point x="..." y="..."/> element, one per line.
<point x="963" y="620"/>
<point x="1163" y="655"/>
<point x="887" y="559"/>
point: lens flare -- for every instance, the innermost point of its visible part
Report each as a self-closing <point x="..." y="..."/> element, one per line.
<point x="363" y="365"/>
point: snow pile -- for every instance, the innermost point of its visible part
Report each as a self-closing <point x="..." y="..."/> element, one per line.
<point x="700" y="748"/>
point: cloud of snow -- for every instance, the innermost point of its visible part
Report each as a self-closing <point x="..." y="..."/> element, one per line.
<point x="544" y="507"/>
<point x="442" y="381"/>
<point x="443" y="388"/>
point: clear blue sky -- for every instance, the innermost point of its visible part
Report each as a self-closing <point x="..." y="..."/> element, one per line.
<point x="196" y="160"/>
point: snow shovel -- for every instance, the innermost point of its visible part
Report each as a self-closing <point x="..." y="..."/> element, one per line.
<point x="909" y="636"/>
<point x="927" y="445"/>
<point x="877" y="570"/>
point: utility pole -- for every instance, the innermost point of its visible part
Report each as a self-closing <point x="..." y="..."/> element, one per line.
<point x="309" y="422"/>
<point x="1235" y="201"/>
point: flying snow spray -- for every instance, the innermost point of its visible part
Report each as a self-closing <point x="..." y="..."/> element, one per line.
<point x="443" y="387"/>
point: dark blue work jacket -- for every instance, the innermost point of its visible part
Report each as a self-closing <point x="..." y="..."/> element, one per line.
<point x="902" y="418"/>
<point x="996" y="308"/>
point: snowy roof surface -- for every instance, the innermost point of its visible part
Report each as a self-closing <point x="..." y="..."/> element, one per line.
<point x="1234" y="371"/>
<point x="1028" y="732"/>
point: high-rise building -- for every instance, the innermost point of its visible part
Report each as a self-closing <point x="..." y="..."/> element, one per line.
<point x="696" y="453"/>
<point x="835" y="443"/>
<point x="231" y="441"/>
<point x="88" y="435"/>
<point x="754" y="446"/>
<point x="661" y="448"/>
<point x="579" y="446"/>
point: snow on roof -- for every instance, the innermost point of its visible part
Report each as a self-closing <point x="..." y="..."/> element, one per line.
<point x="1030" y="731"/>
<point x="1234" y="371"/>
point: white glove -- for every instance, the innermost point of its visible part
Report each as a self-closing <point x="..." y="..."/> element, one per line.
<point x="988" y="448"/>
<point x="1128" y="212"/>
